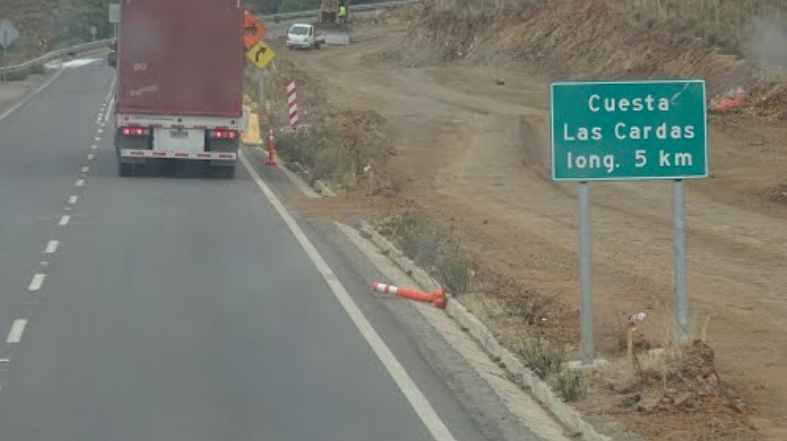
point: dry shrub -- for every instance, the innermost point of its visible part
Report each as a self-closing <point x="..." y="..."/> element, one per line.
<point x="438" y="251"/>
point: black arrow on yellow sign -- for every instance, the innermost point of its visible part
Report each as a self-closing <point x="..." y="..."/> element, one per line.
<point x="260" y="53"/>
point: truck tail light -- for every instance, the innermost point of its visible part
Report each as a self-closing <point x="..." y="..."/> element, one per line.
<point x="223" y="134"/>
<point x="135" y="131"/>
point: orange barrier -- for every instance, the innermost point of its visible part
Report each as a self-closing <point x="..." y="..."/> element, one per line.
<point x="437" y="298"/>
<point x="271" y="149"/>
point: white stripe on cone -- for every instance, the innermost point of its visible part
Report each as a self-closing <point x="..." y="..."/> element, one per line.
<point x="382" y="288"/>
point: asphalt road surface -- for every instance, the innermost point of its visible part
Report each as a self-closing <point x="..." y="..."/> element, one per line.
<point x="173" y="307"/>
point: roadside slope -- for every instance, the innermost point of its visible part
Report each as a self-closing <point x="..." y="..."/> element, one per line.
<point x="473" y="154"/>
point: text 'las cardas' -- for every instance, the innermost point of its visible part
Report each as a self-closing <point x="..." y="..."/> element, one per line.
<point x="623" y="131"/>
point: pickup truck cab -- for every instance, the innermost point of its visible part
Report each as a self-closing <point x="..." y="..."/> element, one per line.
<point x="301" y="35"/>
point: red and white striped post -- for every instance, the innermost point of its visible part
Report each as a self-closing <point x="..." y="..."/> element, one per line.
<point x="292" y="102"/>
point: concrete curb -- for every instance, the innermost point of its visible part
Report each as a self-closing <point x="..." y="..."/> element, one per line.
<point x="568" y="416"/>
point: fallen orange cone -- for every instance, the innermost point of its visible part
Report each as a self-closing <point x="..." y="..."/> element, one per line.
<point x="436" y="298"/>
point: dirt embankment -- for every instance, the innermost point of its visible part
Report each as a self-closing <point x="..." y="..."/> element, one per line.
<point x="582" y="40"/>
<point x="464" y="94"/>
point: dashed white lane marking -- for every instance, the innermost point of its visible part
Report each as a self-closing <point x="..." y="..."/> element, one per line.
<point x="100" y="130"/>
<point x="64" y="220"/>
<point x="422" y="407"/>
<point x="80" y="183"/>
<point x="17" y="329"/>
<point x="97" y="138"/>
<point x="93" y="147"/>
<point x="73" y="199"/>
<point x="90" y="157"/>
<point x="85" y="169"/>
<point x="37" y="282"/>
<point x="51" y="247"/>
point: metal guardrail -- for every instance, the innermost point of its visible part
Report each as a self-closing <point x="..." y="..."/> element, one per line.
<point x="85" y="47"/>
<point x="355" y="9"/>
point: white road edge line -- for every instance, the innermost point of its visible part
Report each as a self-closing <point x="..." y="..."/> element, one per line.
<point x="64" y="220"/>
<point x="37" y="282"/>
<point x="80" y="183"/>
<point x="422" y="408"/>
<point x="17" y="329"/>
<point x="51" y="247"/>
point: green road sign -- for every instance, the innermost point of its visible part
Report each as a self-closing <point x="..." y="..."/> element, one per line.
<point x="633" y="130"/>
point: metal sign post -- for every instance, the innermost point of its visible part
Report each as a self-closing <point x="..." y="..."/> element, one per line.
<point x="629" y="130"/>
<point x="678" y="220"/>
<point x="586" y="276"/>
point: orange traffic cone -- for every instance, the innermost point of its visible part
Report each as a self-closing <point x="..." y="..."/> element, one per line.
<point x="437" y="298"/>
<point x="271" y="149"/>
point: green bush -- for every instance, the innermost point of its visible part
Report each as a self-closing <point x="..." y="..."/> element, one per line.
<point x="542" y="357"/>
<point x="322" y="154"/>
<point x="568" y="385"/>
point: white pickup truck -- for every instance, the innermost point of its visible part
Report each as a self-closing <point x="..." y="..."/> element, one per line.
<point x="301" y="35"/>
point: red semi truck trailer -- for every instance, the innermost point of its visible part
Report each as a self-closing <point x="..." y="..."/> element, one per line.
<point x="179" y="83"/>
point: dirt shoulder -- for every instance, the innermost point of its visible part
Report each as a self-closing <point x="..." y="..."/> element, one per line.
<point x="472" y="154"/>
<point x="12" y="92"/>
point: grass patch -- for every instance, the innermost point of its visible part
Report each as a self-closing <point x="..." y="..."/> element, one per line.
<point x="723" y="23"/>
<point x="438" y="251"/>
<point x="568" y="385"/>
<point x="542" y="357"/>
<point x="323" y="155"/>
<point x="548" y="361"/>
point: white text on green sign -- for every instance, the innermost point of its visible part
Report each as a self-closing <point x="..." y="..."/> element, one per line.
<point x="628" y="130"/>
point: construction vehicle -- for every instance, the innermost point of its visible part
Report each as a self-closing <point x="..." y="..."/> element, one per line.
<point x="329" y="23"/>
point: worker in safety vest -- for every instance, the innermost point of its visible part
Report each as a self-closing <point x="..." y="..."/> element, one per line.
<point x="342" y="13"/>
